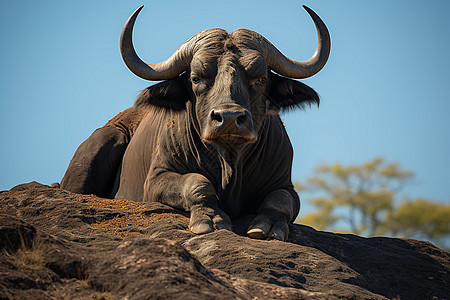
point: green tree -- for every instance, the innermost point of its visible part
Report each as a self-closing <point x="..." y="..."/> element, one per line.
<point x="421" y="219"/>
<point x="365" y="199"/>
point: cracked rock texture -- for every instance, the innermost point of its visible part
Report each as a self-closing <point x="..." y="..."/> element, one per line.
<point x="58" y="245"/>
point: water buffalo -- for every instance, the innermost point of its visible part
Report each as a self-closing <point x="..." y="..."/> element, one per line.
<point x="208" y="139"/>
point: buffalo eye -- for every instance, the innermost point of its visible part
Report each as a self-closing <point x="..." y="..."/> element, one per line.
<point x="261" y="80"/>
<point x="195" y="79"/>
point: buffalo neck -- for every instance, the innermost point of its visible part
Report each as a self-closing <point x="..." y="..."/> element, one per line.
<point x="232" y="163"/>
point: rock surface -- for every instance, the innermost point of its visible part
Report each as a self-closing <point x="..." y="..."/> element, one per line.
<point x="59" y="245"/>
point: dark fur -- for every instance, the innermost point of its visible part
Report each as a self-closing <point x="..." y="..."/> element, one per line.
<point x="288" y="94"/>
<point x="170" y="94"/>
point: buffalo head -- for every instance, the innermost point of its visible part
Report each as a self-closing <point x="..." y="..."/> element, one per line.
<point x="230" y="79"/>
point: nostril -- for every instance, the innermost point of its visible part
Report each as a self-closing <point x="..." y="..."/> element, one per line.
<point x="217" y="116"/>
<point x="241" y="119"/>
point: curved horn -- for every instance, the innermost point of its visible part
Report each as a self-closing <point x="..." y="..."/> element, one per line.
<point x="167" y="69"/>
<point x="301" y="69"/>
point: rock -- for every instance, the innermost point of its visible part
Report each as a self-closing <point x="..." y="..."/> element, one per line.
<point x="143" y="268"/>
<point x="56" y="244"/>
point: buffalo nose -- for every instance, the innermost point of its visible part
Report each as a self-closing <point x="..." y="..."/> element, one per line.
<point x="229" y="118"/>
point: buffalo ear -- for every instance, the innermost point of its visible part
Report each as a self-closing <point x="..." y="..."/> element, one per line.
<point x="287" y="94"/>
<point x="170" y="94"/>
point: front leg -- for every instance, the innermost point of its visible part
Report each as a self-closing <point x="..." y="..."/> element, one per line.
<point x="274" y="215"/>
<point x="190" y="192"/>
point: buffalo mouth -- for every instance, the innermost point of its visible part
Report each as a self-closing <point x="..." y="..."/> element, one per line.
<point x="231" y="139"/>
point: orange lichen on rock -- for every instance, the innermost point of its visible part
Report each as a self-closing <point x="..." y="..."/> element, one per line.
<point x="116" y="204"/>
<point x="119" y="225"/>
<point x="136" y="216"/>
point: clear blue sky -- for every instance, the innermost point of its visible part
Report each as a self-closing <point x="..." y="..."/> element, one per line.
<point x="385" y="90"/>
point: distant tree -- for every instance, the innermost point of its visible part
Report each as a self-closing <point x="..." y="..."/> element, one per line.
<point x="421" y="219"/>
<point x="365" y="198"/>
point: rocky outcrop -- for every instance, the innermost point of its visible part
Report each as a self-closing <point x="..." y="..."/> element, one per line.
<point x="59" y="245"/>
